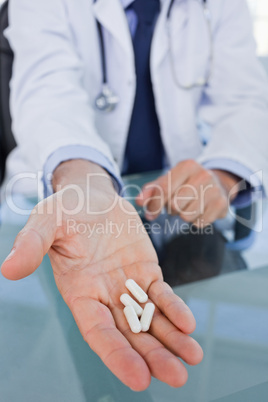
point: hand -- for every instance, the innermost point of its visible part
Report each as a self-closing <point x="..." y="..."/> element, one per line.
<point x="90" y="273"/>
<point x="194" y="193"/>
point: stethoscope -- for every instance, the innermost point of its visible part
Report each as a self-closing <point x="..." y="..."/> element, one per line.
<point x="107" y="100"/>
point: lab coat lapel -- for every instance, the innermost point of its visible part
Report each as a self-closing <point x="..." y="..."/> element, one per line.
<point x="112" y="17"/>
<point x="160" y="44"/>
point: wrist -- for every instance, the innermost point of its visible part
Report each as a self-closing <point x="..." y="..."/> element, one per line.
<point x="229" y="181"/>
<point x="84" y="174"/>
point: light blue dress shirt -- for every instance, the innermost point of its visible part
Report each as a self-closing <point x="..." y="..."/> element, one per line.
<point x="85" y="152"/>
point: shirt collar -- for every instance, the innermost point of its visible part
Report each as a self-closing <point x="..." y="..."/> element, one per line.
<point x="126" y="3"/>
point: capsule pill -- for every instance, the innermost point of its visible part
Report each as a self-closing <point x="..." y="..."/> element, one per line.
<point x="128" y="301"/>
<point x="132" y="319"/>
<point x="136" y="291"/>
<point x="147" y="317"/>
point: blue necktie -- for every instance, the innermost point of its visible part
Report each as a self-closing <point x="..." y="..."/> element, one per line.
<point x="144" y="149"/>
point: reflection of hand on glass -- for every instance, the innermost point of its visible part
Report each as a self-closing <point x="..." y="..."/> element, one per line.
<point x="90" y="272"/>
<point x="198" y="195"/>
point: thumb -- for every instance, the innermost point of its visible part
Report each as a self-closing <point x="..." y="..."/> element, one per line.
<point x="154" y="197"/>
<point x="146" y="193"/>
<point x="31" y="245"/>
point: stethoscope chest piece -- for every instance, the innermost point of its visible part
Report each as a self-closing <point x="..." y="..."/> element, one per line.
<point x="107" y="100"/>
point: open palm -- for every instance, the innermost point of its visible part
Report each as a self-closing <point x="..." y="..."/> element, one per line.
<point x="90" y="272"/>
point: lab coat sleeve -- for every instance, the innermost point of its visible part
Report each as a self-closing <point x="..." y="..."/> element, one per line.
<point x="251" y="192"/>
<point x="49" y="106"/>
<point x="69" y="152"/>
<point x="235" y="102"/>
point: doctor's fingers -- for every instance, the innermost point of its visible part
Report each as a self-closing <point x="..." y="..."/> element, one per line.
<point x="177" y="342"/>
<point x="208" y="203"/>
<point x="151" y="198"/>
<point x="215" y="209"/>
<point x="172" y="306"/>
<point x="189" y="203"/>
<point x="162" y="363"/>
<point x="154" y="205"/>
<point x="97" y="326"/>
<point x="204" y="213"/>
<point x="191" y="213"/>
<point x="186" y="198"/>
<point x="185" y="173"/>
<point x="194" y="194"/>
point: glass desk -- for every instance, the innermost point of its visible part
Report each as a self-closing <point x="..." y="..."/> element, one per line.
<point x="44" y="358"/>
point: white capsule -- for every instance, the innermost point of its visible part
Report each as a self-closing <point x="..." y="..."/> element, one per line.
<point x="132" y="319"/>
<point x="128" y="301"/>
<point x="147" y="317"/>
<point x="136" y="290"/>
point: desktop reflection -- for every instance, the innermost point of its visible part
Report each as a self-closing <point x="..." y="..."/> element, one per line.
<point x="193" y="255"/>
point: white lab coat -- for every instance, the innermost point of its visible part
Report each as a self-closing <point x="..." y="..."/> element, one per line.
<point x="57" y="75"/>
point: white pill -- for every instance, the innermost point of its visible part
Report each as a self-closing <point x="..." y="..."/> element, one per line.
<point x="136" y="291"/>
<point x="147" y="316"/>
<point x="132" y="319"/>
<point x="128" y="301"/>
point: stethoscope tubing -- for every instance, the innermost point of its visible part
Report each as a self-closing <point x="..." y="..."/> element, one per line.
<point x="206" y="79"/>
<point x="107" y="100"/>
<point x="102" y="50"/>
